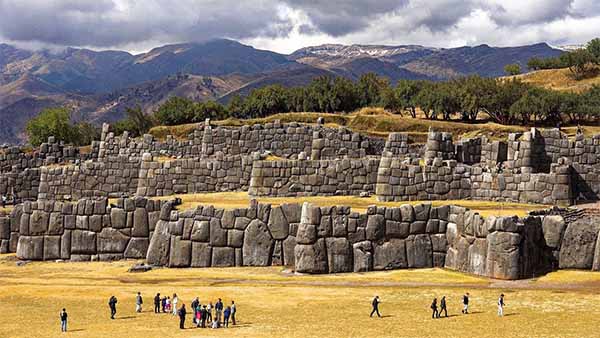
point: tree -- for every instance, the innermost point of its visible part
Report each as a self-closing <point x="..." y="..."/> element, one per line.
<point x="176" y="110"/>
<point x="579" y="62"/>
<point x="505" y="95"/>
<point x="235" y="106"/>
<point x="404" y="96"/>
<point x="52" y="122"/>
<point x="474" y="93"/>
<point x="512" y="69"/>
<point x="593" y="47"/>
<point x="370" y="86"/>
<point x="208" y="110"/>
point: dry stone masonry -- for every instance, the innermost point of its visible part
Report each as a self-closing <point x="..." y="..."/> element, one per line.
<point x="62" y="210"/>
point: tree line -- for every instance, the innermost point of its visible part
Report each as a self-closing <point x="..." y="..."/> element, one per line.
<point x="582" y="62"/>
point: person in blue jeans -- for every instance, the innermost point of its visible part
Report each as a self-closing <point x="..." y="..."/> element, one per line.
<point x="226" y="315"/>
<point x="63" y="320"/>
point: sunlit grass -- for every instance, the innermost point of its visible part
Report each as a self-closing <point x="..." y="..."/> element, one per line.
<point x="273" y="303"/>
<point x="232" y="200"/>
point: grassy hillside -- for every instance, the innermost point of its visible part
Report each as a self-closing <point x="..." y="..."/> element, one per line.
<point x="373" y="121"/>
<point x="558" y="79"/>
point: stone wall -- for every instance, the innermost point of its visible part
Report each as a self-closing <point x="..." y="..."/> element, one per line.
<point x="191" y="175"/>
<point x="86" y="230"/>
<point x="401" y="180"/>
<point x="314" y="178"/>
<point x="22" y="184"/>
<point x="112" y="176"/>
<point x="312" y="239"/>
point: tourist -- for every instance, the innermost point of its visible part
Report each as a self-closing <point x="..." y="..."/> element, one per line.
<point x="174" y="304"/>
<point x="138" y="302"/>
<point x="63" y="320"/>
<point x="434" y="309"/>
<point x="157" y="303"/>
<point x="218" y="310"/>
<point x="3" y="201"/>
<point x="375" y="305"/>
<point x="465" y="309"/>
<point x="215" y="324"/>
<point x="443" y="307"/>
<point x="182" y="313"/>
<point x="197" y="315"/>
<point x="163" y="304"/>
<point x="112" y="303"/>
<point x="195" y="304"/>
<point x="233" y="309"/>
<point x="226" y="315"/>
<point x="204" y="316"/>
<point x="168" y="305"/>
<point x="209" y="312"/>
<point x="501" y="305"/>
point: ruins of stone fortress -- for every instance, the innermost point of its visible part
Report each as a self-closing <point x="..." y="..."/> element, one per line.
<point x="65" y="212"/>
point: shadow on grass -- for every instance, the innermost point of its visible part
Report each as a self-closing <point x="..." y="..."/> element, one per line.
<point x="124" y="318"/>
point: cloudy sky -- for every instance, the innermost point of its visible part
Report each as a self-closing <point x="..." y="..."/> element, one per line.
<point x="286" y="25"/>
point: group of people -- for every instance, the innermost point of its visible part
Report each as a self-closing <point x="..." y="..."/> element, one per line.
<point x="202" y="314"/>
<point x="436" y="312"/>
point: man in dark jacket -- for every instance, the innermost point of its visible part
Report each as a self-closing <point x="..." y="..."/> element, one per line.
<point x="182" y="313"/>
<point x="157" y="303"/>
<point x="194" y="305"/>
<point x="465" y="309"/>
<point x="203" y="316"/>
<point x="218" y="310"/>
<point x="443" y="307"/>
<point x="112" y="303"/>
<point x="375" y="305"/>
<point x="434" y="309"/>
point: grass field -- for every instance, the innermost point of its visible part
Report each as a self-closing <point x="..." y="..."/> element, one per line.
<point x="231" y="200"/>
<point x="272" y="303"/>
<point x="558" y="79"/>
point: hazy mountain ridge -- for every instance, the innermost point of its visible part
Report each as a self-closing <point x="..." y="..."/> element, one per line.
<point x="99" y="85"/>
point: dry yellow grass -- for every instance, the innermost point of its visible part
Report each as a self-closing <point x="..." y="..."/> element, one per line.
<point x="558" y="79"/>
<point x="273" y="304"/>
<point x="231" y="200"/>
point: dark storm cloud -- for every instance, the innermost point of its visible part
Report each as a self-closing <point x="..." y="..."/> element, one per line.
<point x="340" y="17"/>
<point x="104" y="23"/>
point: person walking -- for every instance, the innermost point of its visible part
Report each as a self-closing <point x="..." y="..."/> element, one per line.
<point x="226" y="315"/>
<point x="138" y="302"/>
<point x="63" y="320"/>
<point x="443" y="307"/>
<point x="157" y="303"/>
<point x="174" y="304"/>
<point x="434" y="309"/>
<point x="501" y="305"/>
<point x="375" y="304"/>
<point x="182" y="313"/>
<point x="233" y="310"/>
<point x="465" y="309"/>
<point x="218" y="310"/>
<point x="112" y="304"/>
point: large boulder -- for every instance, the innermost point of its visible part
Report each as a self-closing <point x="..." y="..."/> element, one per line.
<point x="83" y="242"/>
<point x="38" y="222"/>
<point x="478" y="257"/>
<point x="218" y="235"/>
<point x="375" y="227"/>
<point x="200" y="231"/>
<point x="503" y="255"/>
<point x="140" y="223"/>
<point x="288" y="250"/>
<point x="419" y="251"/>
<point x="339" y="255"/>
<point x="553" y="227"/>
<point x="223" y="257"/>
<point x="137" y="248"/>
<point x="363" y="256"/>
<point x="158" y="250"/>
<point x="578" y="244"/>
<point x="307" y="233"/>
<point x="51" y="247"/>
<point x="30" y="248"/>
<point x="180" y="252"/>
<point x="311" y="258"/>
<point x="278" y="224"/>
<point x="457" y="257"/>
<point x="111" y="240"/>
<point x="201" y="255"/>
<point x="390" y="255"/>
<point x="258" y="244"/>
<point x="118" y="218"/>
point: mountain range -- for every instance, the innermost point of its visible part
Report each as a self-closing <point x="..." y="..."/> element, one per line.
<point x="99" y="85"/>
